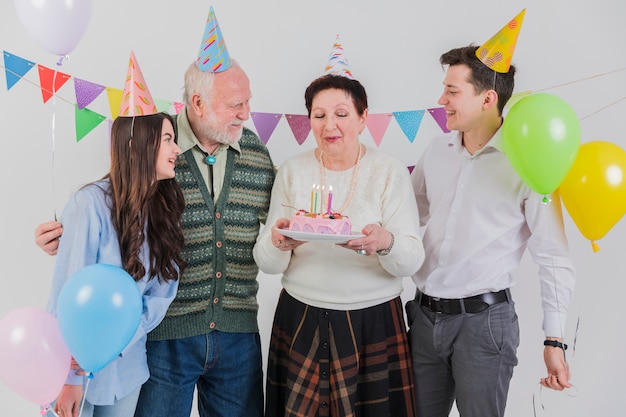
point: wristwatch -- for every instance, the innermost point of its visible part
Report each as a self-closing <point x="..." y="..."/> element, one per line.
<point x="555" y="344"/>
<point x="386" y="251"/>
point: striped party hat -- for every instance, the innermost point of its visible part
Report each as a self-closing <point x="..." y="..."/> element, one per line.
<point x="337" y="63"/>
<point x="213" y="55"/>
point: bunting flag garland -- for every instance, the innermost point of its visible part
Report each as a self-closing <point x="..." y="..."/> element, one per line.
<point x="86" y="120"/>
<point x="300" y="126"/>
<point x="265" y="123"/>
<point x="86" y="92"/>
<point x="50" y="81"/>
<point x="16" y="68"/>
<point x="410" y="122"/>
<point x="48" y="77"/>
<point x="115" y="101"/>
<point x="439" y="114"/>
<point x="377" y="125"/>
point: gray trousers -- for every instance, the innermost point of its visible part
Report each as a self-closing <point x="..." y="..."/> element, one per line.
<point x="464" y="357"/>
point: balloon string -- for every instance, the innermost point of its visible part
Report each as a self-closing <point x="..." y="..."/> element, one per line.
<point x="603" y="108"/>
<point x="54" y="105"/>
<point x="570" y="392"/>
<point x="82" y="402"/>
<point x="582" y="79"/>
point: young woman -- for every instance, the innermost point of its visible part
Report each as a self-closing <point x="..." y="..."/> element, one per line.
<point x="130" y="218"/>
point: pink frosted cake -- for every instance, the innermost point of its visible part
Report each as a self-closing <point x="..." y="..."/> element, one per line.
<point x="325" y="224"/>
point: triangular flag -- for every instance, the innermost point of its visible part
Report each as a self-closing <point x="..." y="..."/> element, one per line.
<point x="300" y="125"/>
<point x="163" y="105"/>
<point x="86" y="92"/>
<point x="86" y="120"/>
<point x="439" y="114"/>
<point x="265" y="123"/>
<point x="48" y="77"/>
<point x="178" y="106"/>
<point x="115" y="101"/>
<point x="516" y="97"/>
<point x="410" y="122"/>
<point x="411" y="168"/>
<point x="377" y="125"/>
<point x="15" y="68"/>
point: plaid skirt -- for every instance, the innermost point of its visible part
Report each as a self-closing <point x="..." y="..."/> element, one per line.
<point x="339" y="363"/>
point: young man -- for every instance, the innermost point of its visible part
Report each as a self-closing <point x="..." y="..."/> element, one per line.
<point x="479" y="217"/>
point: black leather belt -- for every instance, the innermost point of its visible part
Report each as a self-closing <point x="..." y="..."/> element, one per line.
<point x="474" y="304"/>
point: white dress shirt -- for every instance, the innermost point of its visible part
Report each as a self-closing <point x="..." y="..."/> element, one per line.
<point x="477" y="219"/>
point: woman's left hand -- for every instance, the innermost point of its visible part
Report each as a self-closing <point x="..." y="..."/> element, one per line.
<point x="376" y="238"/>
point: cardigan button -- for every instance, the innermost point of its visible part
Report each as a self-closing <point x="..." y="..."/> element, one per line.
<point x="212" y="325"/>
<point x="218" y="244"/>
<point x="218" y="275"/>
<point x="218" y="215"/>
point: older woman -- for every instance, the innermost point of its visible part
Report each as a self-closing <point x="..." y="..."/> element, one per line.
<point x="339" y="344"/>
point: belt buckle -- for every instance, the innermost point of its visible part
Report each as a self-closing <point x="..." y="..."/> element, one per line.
<point x="432" y="305"/>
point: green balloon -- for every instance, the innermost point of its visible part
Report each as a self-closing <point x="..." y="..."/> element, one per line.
<point x="541" y="137"/>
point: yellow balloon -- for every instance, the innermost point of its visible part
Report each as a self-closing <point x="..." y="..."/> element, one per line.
<point x="594" y="190"/>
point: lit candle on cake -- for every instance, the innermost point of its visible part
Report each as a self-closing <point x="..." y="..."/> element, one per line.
<point x="317" y="191"/>
<point x="312" y="199"/>
<point x="330" y="200"/>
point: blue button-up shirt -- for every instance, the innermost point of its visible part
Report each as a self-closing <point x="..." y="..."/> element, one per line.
<point x="89" y="237"/>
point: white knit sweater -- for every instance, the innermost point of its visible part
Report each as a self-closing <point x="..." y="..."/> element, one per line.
<point x="324" y="274"/>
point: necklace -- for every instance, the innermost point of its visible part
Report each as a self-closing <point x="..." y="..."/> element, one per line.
<point x="352" y="181"/>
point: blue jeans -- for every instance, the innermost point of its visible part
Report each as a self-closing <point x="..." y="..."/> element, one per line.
<point x="227" y="369"/>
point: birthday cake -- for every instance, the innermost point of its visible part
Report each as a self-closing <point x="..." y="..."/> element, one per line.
<point x="325" y="224"/>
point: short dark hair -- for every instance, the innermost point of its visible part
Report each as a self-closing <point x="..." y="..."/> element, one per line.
<point x="482" y="78"/>
<point x="352" y="87"/>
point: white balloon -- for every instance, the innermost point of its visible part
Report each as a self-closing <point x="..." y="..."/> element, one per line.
<point x="57" y="25"/>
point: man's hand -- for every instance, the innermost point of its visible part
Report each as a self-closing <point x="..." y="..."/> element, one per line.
<point x="47" y="237"/>
<point x="558" y="369"/>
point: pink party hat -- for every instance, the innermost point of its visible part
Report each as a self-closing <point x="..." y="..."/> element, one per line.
<point x="213" y="55"/>
<point x="337" y="63"/>
<point x="136" y="98"/>
<point x="497" y="52"/>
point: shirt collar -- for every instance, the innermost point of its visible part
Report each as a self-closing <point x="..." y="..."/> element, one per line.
<point x="455" y="140"/>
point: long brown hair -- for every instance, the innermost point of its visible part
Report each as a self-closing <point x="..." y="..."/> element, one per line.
<point x="142" y="206"/>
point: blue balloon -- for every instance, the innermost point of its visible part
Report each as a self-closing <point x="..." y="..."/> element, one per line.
<point x="99" y="310"/>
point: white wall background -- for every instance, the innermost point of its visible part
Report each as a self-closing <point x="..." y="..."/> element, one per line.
<point x="393" y="47"/>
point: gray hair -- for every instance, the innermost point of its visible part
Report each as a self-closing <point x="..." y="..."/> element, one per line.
<point x="200" y="82"/>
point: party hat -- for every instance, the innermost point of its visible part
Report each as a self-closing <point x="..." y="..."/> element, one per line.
<point x="213" y="55"/>
<point x="337" y="63"/>
<point x="136" y="98"/>
<point x="497" y="52"/>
